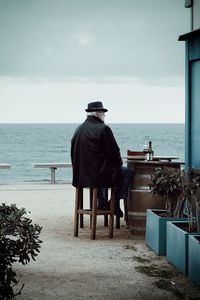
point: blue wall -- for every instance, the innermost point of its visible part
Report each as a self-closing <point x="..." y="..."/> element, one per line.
<point x="192" y="109"/>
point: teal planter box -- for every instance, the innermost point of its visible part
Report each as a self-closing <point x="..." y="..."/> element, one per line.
<point x="194" y="258"/>
<point x="156" y="230"/>
<point x="177" y="245"/>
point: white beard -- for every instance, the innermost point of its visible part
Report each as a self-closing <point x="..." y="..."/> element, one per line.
<point x="101" y="116"/>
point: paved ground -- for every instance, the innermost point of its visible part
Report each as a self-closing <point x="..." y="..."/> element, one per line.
<point x="78" y="268"/>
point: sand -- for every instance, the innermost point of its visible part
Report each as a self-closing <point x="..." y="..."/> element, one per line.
<point x="69" y="267"/>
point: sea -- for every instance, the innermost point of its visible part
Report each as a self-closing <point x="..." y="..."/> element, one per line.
<point x="22" y="145"/>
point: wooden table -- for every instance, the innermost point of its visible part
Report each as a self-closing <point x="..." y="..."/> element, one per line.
<point x="155" y="158"/>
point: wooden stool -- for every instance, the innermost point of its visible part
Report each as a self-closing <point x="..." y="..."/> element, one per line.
<point x="93" y="212"/>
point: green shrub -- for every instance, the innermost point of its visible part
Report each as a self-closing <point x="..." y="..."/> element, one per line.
<point x="182" y="192"/>
<point x="167" y="182"/>
<point x="19" y="242"/>
<point x="191" y="191"/>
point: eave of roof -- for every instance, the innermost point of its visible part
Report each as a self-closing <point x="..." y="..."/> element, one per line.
<point x="188" y="35"/>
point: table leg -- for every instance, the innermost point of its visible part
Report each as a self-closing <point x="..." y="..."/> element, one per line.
<point x="53" y="177"/>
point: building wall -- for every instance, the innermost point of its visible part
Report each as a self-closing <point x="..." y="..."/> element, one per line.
<point x="195" y="113"/>
<point x="192" y="120"/>
<point x="196" y="14"/>
<point x="192" y="86"/>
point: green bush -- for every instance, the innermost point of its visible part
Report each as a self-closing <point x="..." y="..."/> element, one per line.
<point x="19" y="242"/>
<point x="167" y="182"/>
<point x="181" y="190"/>
<point x="191" y="190"/>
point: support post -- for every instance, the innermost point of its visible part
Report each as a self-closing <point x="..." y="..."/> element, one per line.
<point x="53" y="173"/>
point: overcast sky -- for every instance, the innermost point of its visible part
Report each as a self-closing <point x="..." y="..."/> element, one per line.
<point x="58" y="55"/>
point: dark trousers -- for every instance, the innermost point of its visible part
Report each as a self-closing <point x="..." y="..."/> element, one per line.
<point x="122" y="188"/>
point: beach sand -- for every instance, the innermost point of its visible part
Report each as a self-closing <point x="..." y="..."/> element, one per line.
<point x="69" y="267"/>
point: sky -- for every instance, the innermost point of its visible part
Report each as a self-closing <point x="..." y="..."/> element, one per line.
<point x="56" y="56"/>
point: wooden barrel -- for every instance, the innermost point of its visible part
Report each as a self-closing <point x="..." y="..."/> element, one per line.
<point x="139" y="201"/>
<point x="140" y="196"/>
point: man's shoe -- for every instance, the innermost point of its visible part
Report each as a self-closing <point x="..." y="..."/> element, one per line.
<point x="119" y="213"/>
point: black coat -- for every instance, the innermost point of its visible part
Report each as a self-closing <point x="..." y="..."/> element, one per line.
<point x="95" y="155"/>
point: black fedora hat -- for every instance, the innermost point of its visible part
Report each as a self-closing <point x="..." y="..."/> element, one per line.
<point x="95" y="106"/>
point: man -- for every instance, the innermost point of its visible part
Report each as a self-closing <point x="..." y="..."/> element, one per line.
<point x="96" y="158"/>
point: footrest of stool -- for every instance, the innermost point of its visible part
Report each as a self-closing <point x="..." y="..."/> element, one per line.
<point x="98" y="212"/>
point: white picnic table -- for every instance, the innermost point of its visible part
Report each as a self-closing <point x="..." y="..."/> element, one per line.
<point x="5" y="166"/>
<point x="53" y="167"/>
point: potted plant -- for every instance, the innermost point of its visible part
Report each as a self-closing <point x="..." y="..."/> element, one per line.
<point x="178" y="232"/>
<point x="194" y="258"/>
<point x="167" y="182"/>
<point x="192" y="193"/>
<point x="194" y="222"/>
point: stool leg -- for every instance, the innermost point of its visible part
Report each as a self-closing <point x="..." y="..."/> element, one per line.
<point x="81" y="206"/>
<point x="106" y="221"/>
<point x="76" y="215"/>
<point x="106" y="217"/>
<point x="94" y="214"/>
<point x="117" y="222"/>
<point x="125" y="211"/>
<point x="112" y="208"/>
<point x="91" y="199"/>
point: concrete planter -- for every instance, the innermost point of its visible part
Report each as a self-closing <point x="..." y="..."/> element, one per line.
<point x="177" y="244"/>
<point x="194" y="258"/>
<point x="156" y="230"/>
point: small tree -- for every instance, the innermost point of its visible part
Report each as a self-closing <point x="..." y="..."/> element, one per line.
<point x="182" y="192"/>
<point x="19" y="241"/>
<point x="191" y="191"/>
<point x="167" y="182"/>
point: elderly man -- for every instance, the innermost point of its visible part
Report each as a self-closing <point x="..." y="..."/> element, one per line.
<point x="96" y="158"/>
